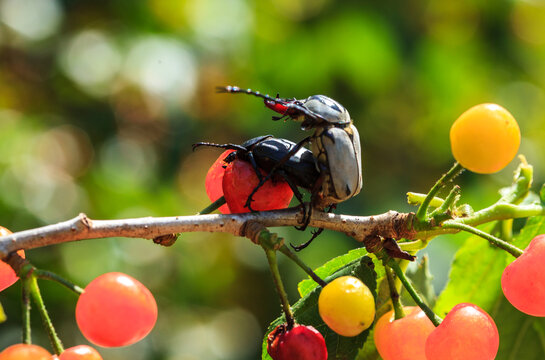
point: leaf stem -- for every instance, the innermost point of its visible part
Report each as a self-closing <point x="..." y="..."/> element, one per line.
<point x="286" y="251"/>
<point x="451" y="174"/>
<point x="511" y="249"/>
<point x="394" y="295"/>
<point x="38" y="300"/>
<point x="436" y="320"/>
<point x="273" y="265"/>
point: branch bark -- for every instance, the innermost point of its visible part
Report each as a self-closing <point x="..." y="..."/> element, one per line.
<point x="389" y="225"/>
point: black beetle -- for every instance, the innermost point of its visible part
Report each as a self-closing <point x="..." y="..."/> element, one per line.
<point x="281" y="158"/>
<point x="276" y="157"/>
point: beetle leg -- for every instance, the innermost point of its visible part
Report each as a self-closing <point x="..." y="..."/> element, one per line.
<point x="305" y="244"/>
<point x="275" y="168"/>
<point x="315" y="191"/>
<point x="296" y="192"/>
<point x="254" y="165"/>
<point x="315" y="234"/>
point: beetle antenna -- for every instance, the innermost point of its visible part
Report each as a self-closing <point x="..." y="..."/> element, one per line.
<point x="294" y="107"/>
<point x="237" y="90"/>
<point x="221" y="146"/>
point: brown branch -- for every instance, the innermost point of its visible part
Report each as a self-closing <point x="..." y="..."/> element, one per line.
<point x="389" y="225"/>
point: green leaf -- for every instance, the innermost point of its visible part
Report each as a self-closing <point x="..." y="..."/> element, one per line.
<point x="534" y="226"/>
<point x="521" y="336"/>
<point x="306" y="312"/>
<point x="307" y="285"/>
<point x="542" y="194"/>
<point x="474" y="276"/>
<point x="369" y="350"/>
<point x="3" y="316"/>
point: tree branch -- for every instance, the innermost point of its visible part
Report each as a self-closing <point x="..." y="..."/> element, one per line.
<point x="391" y="225"/>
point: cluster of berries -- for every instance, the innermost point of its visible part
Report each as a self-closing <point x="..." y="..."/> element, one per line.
<point x="114" y="310"/>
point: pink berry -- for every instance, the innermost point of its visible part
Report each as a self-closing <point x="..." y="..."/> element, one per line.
<point x="115" y="310"/>
<point x="239" y="180"/>
<point x="214" y="180"/>
<point x="523" y="281"/>
<point x="302" y="342"/>
<point x="405" y="338"/>
<point x="466" y="333"/>
<point x="25" y="352"/>
<point x="7" y="275"/>
<point x="80" y="352"/>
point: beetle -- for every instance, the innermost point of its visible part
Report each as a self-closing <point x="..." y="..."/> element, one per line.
<point x="335" y="142"/>
<point x="276" y="157"/>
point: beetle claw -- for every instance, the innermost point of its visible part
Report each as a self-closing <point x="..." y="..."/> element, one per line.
<point x="305" y="244"/>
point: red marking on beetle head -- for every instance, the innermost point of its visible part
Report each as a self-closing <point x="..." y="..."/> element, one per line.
<point x="280" y="108"/>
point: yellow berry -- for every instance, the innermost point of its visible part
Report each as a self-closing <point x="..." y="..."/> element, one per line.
<point x="347" y="306"/>
<point x="485" y="138"/>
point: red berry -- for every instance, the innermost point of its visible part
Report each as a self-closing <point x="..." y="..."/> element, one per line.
<point x="467" y="333"/>
<point x="25" y="352"/>
<point x="115" y="310"/>
<point x="523" y="281"/>
<point x="405" y="338"/>
<point x="302" y="342"/>
<point x="80" y="352"/>
<point x="214" y="180"/>
<point x="7" y="275"/>
<point x="240" y="180"/>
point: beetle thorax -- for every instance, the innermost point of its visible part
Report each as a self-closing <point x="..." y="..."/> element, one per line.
<point x="327" y="108"/>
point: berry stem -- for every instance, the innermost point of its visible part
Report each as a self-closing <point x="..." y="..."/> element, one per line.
<point x="286" y="251"/>
<point x="418" y="198"/>
<point x="450" y="200"/>
<point x="38" y="300"/>
<point x="394" y="295"/>
<point x="436" y="320"/>
<point x="511" y="249"/>
<point x="451" y="174"/>
<point x="212" y="207"/>
<point x="25" y="302"/>
<point x="506" y="227"/>
<point x="48" y="275"/>
<point x="273" y="265"/>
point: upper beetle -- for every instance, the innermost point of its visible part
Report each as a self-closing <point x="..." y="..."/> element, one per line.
<point x="335" y="142"/>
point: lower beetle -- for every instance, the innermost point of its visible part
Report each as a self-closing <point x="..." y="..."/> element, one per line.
<point x="286" y="159"/>
<point x="276" y="157"/>
<point x="335" y="143"/>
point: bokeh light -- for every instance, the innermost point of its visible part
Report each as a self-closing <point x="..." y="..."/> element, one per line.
<point x="31" y="19"/>
<point x="101" y="101"/>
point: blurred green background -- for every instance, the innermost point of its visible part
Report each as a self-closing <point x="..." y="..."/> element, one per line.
<point x="101" y="101"/>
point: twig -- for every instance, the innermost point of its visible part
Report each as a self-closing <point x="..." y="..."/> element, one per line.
<point x="390" y="224"/>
